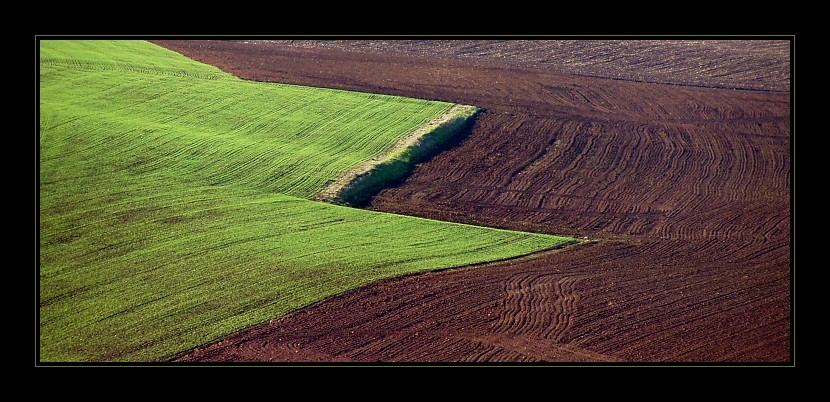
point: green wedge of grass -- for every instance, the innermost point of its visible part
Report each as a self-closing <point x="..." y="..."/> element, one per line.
<point x="174" y="202"/>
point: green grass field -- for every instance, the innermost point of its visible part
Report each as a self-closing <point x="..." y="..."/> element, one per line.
<point x="173" y="202"/>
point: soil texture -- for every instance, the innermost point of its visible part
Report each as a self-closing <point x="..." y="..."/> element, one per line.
<point x="685" y="190"/>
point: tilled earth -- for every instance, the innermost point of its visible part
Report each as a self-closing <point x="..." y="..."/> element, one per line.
<point x="737" y="64"/>
<point x="686" y="191"/>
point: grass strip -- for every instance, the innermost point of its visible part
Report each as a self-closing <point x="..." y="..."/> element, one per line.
<point x="359" y="185"/>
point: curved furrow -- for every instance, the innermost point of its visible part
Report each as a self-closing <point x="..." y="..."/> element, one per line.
<point x="558" y="176"/>
<point x="565" y="304"/>
<point x="538" y="304"/>
<point x="516" y="293"/>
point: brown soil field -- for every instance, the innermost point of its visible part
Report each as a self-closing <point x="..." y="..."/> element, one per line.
<point x="738" y="64"/>
<point x="686" y="191"/>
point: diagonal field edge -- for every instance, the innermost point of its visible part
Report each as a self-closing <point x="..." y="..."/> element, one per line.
<point x="142" y="244"/>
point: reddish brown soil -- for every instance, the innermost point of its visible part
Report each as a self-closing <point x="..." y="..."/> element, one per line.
<point x="686" y="189"/>
<point x="738" y="64"/>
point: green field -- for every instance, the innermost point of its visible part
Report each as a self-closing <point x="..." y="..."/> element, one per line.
<point x="173" y="202"/>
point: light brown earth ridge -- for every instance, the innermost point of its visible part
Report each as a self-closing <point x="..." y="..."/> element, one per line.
<point x="686" y="188"/>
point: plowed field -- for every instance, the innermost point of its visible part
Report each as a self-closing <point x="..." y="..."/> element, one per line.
<point x="756" y="64"/>
<point x="687" y="190"/>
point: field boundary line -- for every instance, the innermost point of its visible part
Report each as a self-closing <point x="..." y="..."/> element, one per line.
<point x="360" y="183"/>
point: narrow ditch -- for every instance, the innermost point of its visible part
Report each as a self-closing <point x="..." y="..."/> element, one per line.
<point x="356" y="187"/>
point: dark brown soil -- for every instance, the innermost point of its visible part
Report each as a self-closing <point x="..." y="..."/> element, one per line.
<point x="739" y="64"/>
<point x="686" y="189"/>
